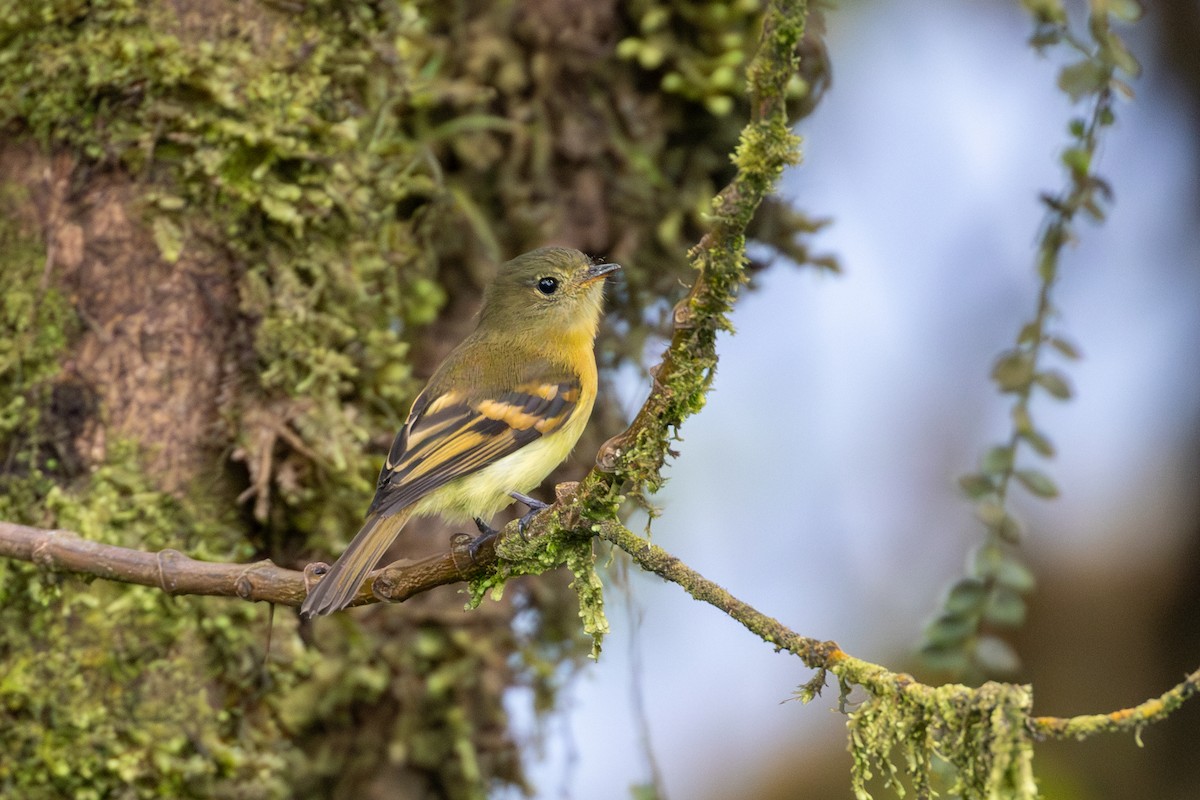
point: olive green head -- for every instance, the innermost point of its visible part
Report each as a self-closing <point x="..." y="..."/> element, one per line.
<point x="553" y="289"/>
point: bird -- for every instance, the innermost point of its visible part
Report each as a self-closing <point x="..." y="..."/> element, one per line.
<point x="505" y="407"/>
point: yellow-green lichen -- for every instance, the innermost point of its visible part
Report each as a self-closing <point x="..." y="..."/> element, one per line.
<point x="952" y="739"/>
<point x="539" y="553"/>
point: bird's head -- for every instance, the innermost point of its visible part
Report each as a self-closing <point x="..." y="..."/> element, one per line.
<point x="551" y="289"/>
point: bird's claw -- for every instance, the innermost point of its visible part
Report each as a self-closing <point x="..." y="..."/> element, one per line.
<point x="524" y="521"/>
<point x="535" y="506"/>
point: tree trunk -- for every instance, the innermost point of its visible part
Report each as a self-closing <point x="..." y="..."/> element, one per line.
<point x="235" y="239"/>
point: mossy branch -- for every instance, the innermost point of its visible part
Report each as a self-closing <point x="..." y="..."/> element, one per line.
<point x="634" y="460"/>
<point x="1123" y="720"/>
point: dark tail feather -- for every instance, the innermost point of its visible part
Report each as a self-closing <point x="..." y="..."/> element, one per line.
<point x="340" y="586"/>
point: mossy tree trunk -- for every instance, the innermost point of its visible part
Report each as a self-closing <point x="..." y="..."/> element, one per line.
<point x="234" y="238"/>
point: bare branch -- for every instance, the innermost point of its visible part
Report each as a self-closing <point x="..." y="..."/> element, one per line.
<point x="175" y="573"/>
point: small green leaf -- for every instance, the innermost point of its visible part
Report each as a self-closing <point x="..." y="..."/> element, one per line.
<point x="1012" y="574"/>
<point x="651" y="56"/>
<point x="654" y="19"/>
<point x="281" y="210"/>
<point x="987" y="560"/>
<point x="718" y="105"/>
<point x="1044" y="37"/>
<point x="996" y="656"/>
<point x="997" y="460"/>
<point x="1124" y="10"/>
<point x="951" y="659"/>
<point x="168" y="236"/>
<point x="1055" y="383"/>
<point x="1051" y="11"/>
<point x="1004" y="608"/>
<point x="949" y="629"/>
<point x="1120" y="56"/>
<point x="1037" y="482"/>
<point x="976" y="485"/>
<point x="1030" y="333"/>
<point x="965" y="598"/>
<point x="1077" y="160"/>
<point x="1008" y="529"/>
<point x="1039" y="443"/>
<point x="991" y="513"/>
<point x="1013" y="372"/>
<point x="1022" y="422"/>
<point x="1066" y="348"/>
<point x="628" y="47"/>
<point x="168" y="202"/>
<point x="1083" y="78"/>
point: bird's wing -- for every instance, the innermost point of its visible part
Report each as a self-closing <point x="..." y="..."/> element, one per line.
<point x="452" y="433"/>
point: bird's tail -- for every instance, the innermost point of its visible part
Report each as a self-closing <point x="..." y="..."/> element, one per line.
<point x="340" y="586"/>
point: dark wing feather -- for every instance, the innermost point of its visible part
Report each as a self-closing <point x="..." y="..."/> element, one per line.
<point x="453" y="434"/>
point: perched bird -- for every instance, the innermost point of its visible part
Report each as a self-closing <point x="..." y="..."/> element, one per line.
<point x="503" y="410"/>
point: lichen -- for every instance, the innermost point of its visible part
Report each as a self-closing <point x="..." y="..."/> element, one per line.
<point x="952" y="739"/>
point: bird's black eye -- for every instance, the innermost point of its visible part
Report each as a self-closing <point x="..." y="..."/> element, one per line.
<point x="547" y="285"/>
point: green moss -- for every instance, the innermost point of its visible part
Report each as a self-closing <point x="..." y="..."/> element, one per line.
<point x="414" y="698"/>
<point x="108" y="690"/>
<point x="114" y="690"/>
<point x="581" y="560"/>
<point x="36" y="323"/>
<point x="551" y="543"/>
<point x="698" y="50"/>
<point x="259" y="138"/>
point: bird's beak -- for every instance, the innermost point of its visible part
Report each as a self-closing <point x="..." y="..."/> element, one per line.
<point x="597" y="272"/>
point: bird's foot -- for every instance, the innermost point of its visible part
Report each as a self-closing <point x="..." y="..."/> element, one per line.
<point x="486" y="534"/>
<point x="464" y="548"/>
<point x="535" y="506"/>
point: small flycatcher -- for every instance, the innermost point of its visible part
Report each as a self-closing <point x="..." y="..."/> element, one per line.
<point x="501" y="412"/>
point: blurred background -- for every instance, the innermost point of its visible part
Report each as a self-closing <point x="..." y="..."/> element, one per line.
<point x="841" y="517"/>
